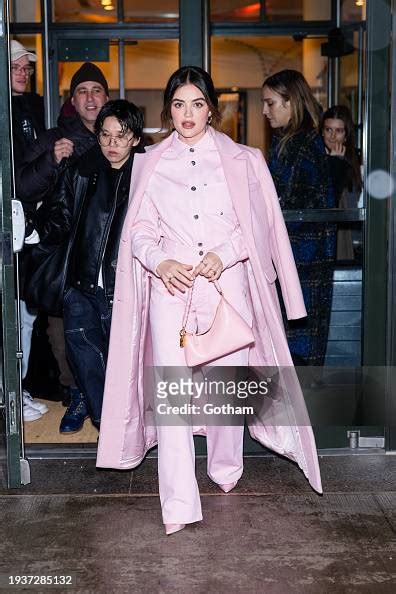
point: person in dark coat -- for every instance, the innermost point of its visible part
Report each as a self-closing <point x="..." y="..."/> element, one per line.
<point x="27" y="123"/>
<point x="302" y="179"/>
<point x="27" y="107"/>
<point x="93" y="199"/>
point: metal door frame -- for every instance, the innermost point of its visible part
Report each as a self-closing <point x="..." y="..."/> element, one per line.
<point x="391" y="344"/>
<point x="11" y="400"/>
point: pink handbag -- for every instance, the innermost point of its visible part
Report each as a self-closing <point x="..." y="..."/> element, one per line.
<point x="228" y="333"/>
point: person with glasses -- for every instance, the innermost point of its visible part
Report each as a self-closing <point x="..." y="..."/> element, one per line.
<point x="92" y="202"/>
<point x="27" y="107"/>
<point x="27" y="124"/>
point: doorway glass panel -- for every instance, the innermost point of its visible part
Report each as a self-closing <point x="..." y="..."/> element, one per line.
<point x="234" y="10"/>
<point x="25" y="11"/>
<point x="270" y="10"/>
<point x="155" y="11"/>
<point x="353" y="10"/>
<point x="243" y="63"/>
<point x="298" y="10"/>
<point x="335" y="395"/>
<point x="148" y="65"/>
<point x="84" y="11"/>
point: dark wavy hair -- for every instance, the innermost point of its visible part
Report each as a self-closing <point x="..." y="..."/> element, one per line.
<point x="343" y="113"/>
<point x="203" y="81"/>
<point x="129" y="116"/>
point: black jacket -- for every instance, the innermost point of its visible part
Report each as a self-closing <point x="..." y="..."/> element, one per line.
<point x="27" y="125"/>
<point x="103" y="203"/>
<point x="92" y="200"/>
<point x="81" y="232"/>
<point x="37" y="172"/>
<point x="27" y="121"/>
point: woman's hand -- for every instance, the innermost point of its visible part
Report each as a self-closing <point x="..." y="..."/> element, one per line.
<point x="210" y="267"/>
<point x="338" y="149"/>
<point x="175" y="275"/>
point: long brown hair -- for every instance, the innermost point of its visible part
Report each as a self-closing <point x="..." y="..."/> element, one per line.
<point x="202" y="80"/>
<point x="343" y="113"/>
<point x="305" y="110"/>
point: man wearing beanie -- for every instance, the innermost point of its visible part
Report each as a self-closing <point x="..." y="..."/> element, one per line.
<point x="39" y="169"/>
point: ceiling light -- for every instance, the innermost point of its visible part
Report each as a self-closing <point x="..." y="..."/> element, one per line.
<point x="359" y="3"/>
<point x="106" y="2"/>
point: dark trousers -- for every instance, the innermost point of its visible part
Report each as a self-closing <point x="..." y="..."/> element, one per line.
<point x="56" y="338"/>
<point x="87" y="320"/>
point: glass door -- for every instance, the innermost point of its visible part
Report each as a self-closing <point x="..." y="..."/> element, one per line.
<point x="340" y="396"/>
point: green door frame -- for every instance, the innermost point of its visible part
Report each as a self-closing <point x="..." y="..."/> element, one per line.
<point x="377" y="155"/>
<point x="379" y="320"/>
<point x="194" y="48"/>
<point x="391" y="359"/>
<point x="11" y="404"/>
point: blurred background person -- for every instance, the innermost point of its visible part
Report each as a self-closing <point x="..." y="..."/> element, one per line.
<point x="301" y="174"/>
<point x="338" y="131"/>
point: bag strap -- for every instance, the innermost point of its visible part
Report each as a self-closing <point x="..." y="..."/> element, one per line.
<point x="188" y="308"/>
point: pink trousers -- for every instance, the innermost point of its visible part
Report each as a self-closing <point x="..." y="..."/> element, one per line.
<point x="179" y="494"/>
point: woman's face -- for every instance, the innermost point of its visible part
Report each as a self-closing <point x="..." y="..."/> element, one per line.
<point x="333" y="132"/>
<point x="275" y="108"/>
<point x="115" y="145"/>
<point x="190" y="113"/>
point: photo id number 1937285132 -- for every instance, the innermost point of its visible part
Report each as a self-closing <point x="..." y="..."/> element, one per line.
<point x="16" y="581"/>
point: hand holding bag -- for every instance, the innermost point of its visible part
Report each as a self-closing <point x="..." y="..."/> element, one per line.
<point x="228" y="333"/>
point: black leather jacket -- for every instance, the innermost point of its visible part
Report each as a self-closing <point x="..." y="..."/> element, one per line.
<point x="94" y="199"/>
<point x="37" y="172"/>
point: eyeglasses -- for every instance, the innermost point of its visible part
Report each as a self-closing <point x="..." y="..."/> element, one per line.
<point x="27" y="70"/>
<point x="121" y="141"/>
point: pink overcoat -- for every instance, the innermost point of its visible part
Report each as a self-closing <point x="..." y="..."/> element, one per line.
<point x="125" y="437"/>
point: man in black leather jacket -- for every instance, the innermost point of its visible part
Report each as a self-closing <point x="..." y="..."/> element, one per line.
<point x="94" y="195"/>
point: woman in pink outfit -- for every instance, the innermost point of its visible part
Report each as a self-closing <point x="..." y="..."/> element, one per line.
<point x="201" y="208"/>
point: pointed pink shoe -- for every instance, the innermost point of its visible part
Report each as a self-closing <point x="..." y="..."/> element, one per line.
<point x="229" y="487"/>
<point x="171" y="528"/>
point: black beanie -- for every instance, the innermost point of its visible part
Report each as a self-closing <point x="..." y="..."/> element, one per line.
<point x="88" y="72"/>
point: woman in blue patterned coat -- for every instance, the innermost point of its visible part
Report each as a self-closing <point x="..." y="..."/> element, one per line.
<point x="300" y="170"/>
